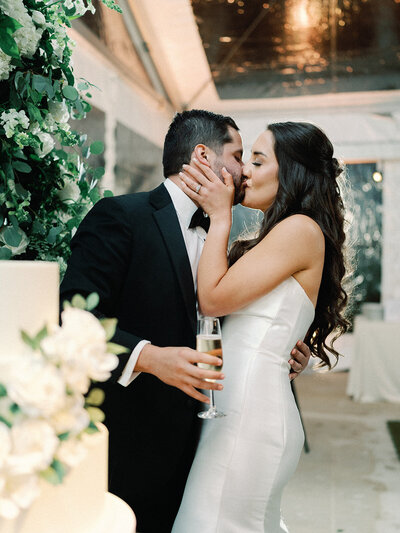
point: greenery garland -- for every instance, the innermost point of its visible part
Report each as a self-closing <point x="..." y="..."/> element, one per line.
<point x="46" y="183"/>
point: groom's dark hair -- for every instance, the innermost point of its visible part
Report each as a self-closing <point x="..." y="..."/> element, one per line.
<point x="190" y="128"/>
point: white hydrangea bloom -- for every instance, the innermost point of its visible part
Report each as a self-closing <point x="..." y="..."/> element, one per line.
<point x="38" y="18"/>
<point x="5" y="67"/>
<point x="27" y="37"/>
<point x="80" y="6"/>
<point x="11" y="119"/>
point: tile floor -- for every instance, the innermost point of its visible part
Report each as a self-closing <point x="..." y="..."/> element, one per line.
<point x="350" y="480"/>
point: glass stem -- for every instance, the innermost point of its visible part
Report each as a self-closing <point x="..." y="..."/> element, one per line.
<point x="212" y="403"/>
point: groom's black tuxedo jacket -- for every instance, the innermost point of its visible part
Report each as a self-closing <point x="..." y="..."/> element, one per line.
<point x="130" y="250"/>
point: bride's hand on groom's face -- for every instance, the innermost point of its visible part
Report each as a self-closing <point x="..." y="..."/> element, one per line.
<point x="205" y="188"/>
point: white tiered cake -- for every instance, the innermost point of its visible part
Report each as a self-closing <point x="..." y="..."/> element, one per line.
<point x="81" y="504"/>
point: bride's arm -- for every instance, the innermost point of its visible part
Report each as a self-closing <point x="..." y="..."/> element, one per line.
<point x="295" y="244"/>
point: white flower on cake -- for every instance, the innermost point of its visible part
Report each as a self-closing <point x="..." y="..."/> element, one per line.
<point x="37" y="387"/>
<point x="17" y="492"/>
<point x="33" y="445"/>
<point x="80" y="349"/>
<point x="73" y="418"/>
<point x="5" y="443"/>
<point x="71" y="452"/>
<point x="43" y="413"/>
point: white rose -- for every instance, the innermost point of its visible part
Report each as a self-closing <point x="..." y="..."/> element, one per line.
<point x="48" y="144"/>
<point x="34" y="443"/>
<point x="5" y="443"/>
<point x="71" y="452"/>
<point x="38" y="18"/>
<point x="59" y="110"/>
<point x="37" y="387"/>
<point x="70" y="193"/>
<point x="80" y="347"/>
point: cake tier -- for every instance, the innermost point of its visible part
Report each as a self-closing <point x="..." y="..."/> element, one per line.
<point x="80" y="504"/>
<point x="29" y="300"/>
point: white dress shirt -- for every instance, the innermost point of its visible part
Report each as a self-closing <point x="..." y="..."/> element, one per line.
<point x="194" y="241"/>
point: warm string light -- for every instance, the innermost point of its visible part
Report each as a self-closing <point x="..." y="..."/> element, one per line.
<point x="377" y="177"/>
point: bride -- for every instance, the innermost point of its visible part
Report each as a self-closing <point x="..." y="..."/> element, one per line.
<point x="282" y="285"/>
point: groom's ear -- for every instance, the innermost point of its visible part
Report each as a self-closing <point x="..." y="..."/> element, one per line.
<point x="202" y="153"/>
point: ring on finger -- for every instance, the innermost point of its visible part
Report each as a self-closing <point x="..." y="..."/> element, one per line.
<point x="198" y="188"/>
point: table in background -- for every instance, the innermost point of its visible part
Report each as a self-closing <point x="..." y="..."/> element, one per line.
<point x="375" y="368"/>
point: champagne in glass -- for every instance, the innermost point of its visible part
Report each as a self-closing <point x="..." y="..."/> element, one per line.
<point x="208" y="340"/>
<point x="212" y="345"/>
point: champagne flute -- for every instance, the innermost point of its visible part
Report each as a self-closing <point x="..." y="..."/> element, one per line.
<point x="208" y="340"/>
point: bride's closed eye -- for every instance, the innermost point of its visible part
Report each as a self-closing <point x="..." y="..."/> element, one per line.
<point x="254" y="163"/>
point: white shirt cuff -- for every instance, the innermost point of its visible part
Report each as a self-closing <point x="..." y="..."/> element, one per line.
<point x="128" y="375"/>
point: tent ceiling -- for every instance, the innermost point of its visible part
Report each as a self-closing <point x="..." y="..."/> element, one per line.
<point x="277" y="48"/>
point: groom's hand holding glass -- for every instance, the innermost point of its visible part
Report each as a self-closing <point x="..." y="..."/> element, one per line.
<point x="177" y="366"/>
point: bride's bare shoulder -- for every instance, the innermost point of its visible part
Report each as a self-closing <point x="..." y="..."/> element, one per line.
<point x="297" y="230"/>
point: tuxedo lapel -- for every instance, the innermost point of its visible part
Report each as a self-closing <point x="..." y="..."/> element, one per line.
<point x="168" y="224"/>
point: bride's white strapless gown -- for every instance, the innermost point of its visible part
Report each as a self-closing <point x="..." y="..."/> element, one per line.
<point x="244" y="460"/>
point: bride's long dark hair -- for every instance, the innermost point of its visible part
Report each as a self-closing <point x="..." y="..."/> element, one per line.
<point x="308" y="185"/>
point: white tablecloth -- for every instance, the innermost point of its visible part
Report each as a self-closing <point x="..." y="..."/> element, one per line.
<point x="375" y="368"/>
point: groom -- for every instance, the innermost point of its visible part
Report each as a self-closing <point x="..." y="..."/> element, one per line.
<point x="140" y="253"/>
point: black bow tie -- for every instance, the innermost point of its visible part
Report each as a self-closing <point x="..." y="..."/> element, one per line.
<point x="200" y="219"/>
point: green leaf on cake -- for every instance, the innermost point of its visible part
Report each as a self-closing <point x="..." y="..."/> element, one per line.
<point x="116" y="349"/>
<point x="96" y="415"/>
<point x="3" y="391"/>
<point x="5" y="421"/>
<point x="109" y="325"/>
<point x="54" y="473"/>
<point x="27" y="339"/>
<point x="64" y="436"/>
<point x="78" y="301"/>
<point x="92" y="428"/>
<point x="95" y="397"/>
<point x="92" y="301"/>
<point x="14" y="408"/>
